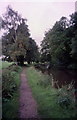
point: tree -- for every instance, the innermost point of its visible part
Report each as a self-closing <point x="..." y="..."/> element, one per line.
<point x="45" y="51"/>
<point x="32" y="53"/>
<point x="73" y="22"/>
<point x="55" y="45"/>
<point x="60" y="42"/>
<point x="16" y="34"/>
<point x="17" y="44"/>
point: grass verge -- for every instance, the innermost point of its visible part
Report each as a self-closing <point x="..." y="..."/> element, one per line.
<point x="47" y="96"/>
<point x="5" y="64"/>
<point x="10" y="92"/>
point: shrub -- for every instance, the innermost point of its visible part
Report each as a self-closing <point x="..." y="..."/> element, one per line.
<point x="66" y="96"/>
<point x="9" y="84"/>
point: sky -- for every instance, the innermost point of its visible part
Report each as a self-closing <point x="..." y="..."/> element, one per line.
<point x="41" y="15"/>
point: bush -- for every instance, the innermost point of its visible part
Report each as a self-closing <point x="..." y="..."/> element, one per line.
<point x="10" y="92"/>
<point x="66" y="96"/>
<point x="9" y="84"/>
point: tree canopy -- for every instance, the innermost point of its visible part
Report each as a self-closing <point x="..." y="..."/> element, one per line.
<point x="16" y="41"/>
<point x="59" y="45"/>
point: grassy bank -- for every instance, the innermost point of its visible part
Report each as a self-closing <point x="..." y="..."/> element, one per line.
<point x="10" y="92"/>
<point x="49" y="99"/>
<point x="5" y="64"/>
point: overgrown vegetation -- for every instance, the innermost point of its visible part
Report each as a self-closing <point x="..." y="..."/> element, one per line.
<point x="52" y="102"/>
<point x="10" y="91"/>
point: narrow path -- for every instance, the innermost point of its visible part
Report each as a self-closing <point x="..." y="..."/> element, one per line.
<point x="28" y="106"/>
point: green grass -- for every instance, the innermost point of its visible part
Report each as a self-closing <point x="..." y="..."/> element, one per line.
<point x="5" y="64"/>
<point x="11" y="105"/>
<point x="46" y="96"/>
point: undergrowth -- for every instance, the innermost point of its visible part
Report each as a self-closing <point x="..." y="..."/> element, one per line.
<point x="10" y="91"/>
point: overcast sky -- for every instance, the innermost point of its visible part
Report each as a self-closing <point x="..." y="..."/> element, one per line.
<point x="41" y="15"/>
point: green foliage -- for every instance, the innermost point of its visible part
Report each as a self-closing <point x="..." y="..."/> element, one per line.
<point x="10" y="93"/>
<point x="59" y="45"/>
<point x="45" y="81"/>
<point x="32" y="53"/>
<point x="10" y="107"/>
<point x="8" y="82"/>
<point x="48" y="98"/>
<point x="5" y="64"/>
<point x="16" y="41"/>
<point x="66" y="96"/>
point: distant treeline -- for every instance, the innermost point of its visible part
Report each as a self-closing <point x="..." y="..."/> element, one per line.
<point x="58" y="48"/>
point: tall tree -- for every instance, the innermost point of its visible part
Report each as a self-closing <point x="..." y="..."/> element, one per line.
<point x="45" y="50"/>
<point x="56" y="44"/>
<point x="32" y="53"/>
<point x="73" y="22"/>
<point x="16" y="41"/>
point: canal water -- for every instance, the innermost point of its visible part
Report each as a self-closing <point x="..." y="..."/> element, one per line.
<point x="64" y="77"/>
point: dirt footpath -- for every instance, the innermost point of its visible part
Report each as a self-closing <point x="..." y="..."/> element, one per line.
<point x="28" y="105"/>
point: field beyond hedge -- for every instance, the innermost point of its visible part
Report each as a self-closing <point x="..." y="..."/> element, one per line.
<point x="5" y="64"/>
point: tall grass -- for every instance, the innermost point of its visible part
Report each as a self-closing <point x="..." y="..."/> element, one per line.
<point x="47" y="97"/>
